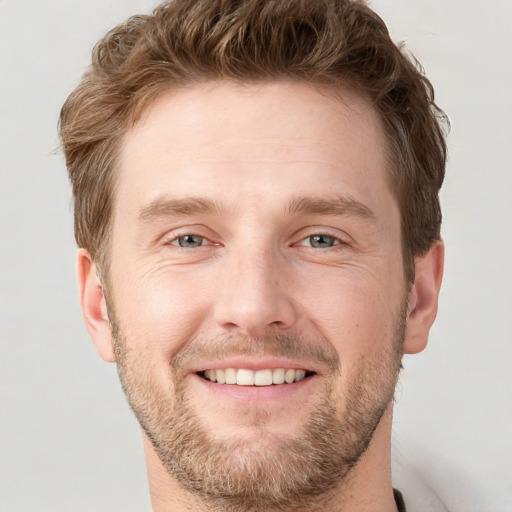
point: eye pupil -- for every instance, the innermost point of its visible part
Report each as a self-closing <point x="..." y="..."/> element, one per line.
<point x="321" y="241"/>
<point x="188" y="241"/>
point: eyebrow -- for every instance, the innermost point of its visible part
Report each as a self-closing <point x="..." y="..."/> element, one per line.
<point x="174" y="207"/>
<point x="166" y="206"/>
<point x="341" y="205"/>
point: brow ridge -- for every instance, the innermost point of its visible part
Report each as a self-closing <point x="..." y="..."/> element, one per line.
<point x="169" y="206"/>
<point x="165" y="206"/>
<point x="341" y="205"/>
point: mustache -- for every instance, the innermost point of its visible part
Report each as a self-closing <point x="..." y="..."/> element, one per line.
<point x="274" y="344"/>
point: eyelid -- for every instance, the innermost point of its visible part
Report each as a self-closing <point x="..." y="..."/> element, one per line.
<point x="337" y="240"/>
<point x="340" y="237"/>
<point x="174" y="240"/>
<point x="173" y="235"/>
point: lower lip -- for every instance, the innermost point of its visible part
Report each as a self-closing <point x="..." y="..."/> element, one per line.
<point x="247" y="394"/>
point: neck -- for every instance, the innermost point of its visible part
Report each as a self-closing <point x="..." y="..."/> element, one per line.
<point x="367" y="487"/>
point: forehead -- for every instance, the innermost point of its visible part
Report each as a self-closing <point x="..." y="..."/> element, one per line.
<point x="232" y="141"/>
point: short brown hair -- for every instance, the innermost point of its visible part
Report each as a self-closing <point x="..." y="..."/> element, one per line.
<point x="322" y="42"/>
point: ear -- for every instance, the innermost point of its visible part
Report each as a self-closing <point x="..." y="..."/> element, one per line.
<point x="94" y="308"/>
<point x="423" y="298"/>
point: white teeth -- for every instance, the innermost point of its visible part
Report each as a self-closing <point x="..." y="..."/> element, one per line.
<point x="244" y="377"/>
<point x="278" y="376"/>
<point x="299" y="375"/>
<point x="211" y="375"/>
<point x="221" y="376"/>
<point x="263" y="378"/>
<point x="289" y="376"/>
<point x="230" y="376"/>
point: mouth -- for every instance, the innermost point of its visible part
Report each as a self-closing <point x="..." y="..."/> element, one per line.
<point x="248" y="377"/>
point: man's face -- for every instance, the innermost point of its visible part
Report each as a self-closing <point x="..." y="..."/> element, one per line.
<point x="254" y="234"/>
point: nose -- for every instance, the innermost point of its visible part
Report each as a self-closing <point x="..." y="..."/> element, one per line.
<point x="254" y="296"/>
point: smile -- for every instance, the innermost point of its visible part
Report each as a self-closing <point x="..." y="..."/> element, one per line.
<point x="245" y="377"/>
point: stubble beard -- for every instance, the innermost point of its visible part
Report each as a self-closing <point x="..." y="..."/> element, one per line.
<point x="293" y="474"/>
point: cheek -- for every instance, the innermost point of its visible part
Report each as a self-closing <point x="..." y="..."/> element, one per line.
<point x="158" y="311"/>
<point x="357" y="316"/>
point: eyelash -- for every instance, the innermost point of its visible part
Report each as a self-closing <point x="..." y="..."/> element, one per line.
<point x="336" y="241"/>
<point x="176" y="240"/>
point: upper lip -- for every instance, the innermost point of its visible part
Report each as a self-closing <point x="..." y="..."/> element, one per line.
<point x="254" y="364"/>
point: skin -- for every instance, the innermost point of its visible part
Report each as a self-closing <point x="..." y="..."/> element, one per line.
<point x="255" y="154"/>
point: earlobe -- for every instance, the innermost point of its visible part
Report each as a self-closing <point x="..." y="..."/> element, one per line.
<point x="423" y="298"/>
<point x="92" y="303"/>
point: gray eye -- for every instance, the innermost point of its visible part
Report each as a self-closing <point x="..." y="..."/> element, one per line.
<point x="190" y="241"/>
<point x="322" y="241"/>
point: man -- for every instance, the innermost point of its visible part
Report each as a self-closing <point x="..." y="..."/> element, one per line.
<point x="256" y="205"/>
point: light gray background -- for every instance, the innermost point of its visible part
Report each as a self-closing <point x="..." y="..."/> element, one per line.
<point x="67" y="439"/>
